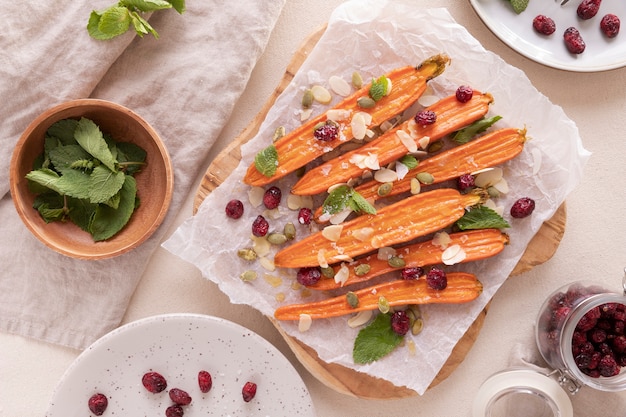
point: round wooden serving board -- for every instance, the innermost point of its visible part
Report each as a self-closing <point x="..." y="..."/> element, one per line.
<point x="342" y="379"/>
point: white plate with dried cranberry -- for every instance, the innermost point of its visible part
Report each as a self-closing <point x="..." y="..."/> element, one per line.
<point x="181" y="364"/>
<point x="600" y="53"/>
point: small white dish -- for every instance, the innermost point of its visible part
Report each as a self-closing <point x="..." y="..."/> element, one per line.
<point x="178" y="346"/>
<point x="516" y="30"/>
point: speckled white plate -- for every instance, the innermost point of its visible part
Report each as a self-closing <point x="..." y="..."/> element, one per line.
<point x="178" y="346"/>
<point x="517" y="32"/>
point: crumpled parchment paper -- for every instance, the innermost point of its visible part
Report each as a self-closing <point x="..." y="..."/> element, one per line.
<point x="374" y="37"/>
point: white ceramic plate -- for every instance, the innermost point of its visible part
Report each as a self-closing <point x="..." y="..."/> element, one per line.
<point x="178" y="346"/>
<point x="517" y="31"/>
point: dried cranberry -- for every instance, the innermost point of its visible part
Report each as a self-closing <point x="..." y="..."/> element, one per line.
<point x="574" y="41"/>
<point x="400" y="322"/>
<point x="308" y="276"/>
<point x="248" y="391"/>
<point x="597" y="335"/>
<point x="465" y="182"/>
<point x="425" y="117"/>
<point x="154" y="382"/>
<point x="619" y="344"/>
<point x="174" y="411"/>
<point x="271" y="197"/>
<point x="588" y="321"/>
<point x="179" y="396"/>
<point x="260" y="226"/>
<point x="413" y="272"/>
<point x="559" y="316"/>
<point x="588" y="9"/>
<point x="583" y="360"/>
<point x="437" y="279"/>
<point x="610" y="25"/>
<point x="98" y="403"/>
<point x="464" y="93"/>
<point x="326" y="132"/>
<point x="205" y="381"/>
<point x="234" y="209"/>
<point x="608" y="366"/>
<point x="544" y="25"/>
<point x="305" y="215"/>
<point x="523" y="207"/>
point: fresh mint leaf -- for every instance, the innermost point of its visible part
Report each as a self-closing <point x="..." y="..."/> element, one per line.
<point x="361" y="204"/>
<point x="375" y="341"/>
<point x="108" y="221"/>
<point x="467" y="133"/>
<point x="481" y="217"/>
<point x="130" y="157"/>
<point x="519" y="5"/>
<point x="45" y="177"/>
<point x="63" y="130"/>
<point x="266" y="161"/>
<point x="51" y="207"/>
<point x="146" y="5"/>
<point x="63" y="157"/>
<point x="179" y="5"/>
<point x="379" y="87"/>
<point x="141" y="25"/>
<point x="80" y="212"/>
<point x="89" y="136"/>
<point x="410" y="161"/>
<point x="337" y="200"/>
<point x="103" y="184"/>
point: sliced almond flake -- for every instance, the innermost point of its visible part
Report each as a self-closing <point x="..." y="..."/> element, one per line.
<point x="537" y="159"/>
<point x="342" y="275"/>
<point x="385" y="253"/>
<point x="412" y="126"/>
<point x="321" y="94"/>
<point x="442" y="239"/>
<point x="338" y="115"/>
<point x="376" y="242"/>
<point x="416" y="186"/>
<point x="267" y="263"/>
<point x="321" y="258"/>
<point x="360" y="318"/>
<point x="502" y="186"/>
<point x="401" y="170"/>
<point x="260" y="245"/>
<point x="305" y="114"/>
<point x="343" y="258"/>
<point x="363" y="233"/>
<point x="358" y="126"/>
<point x="338" y="218"/>
<point x="488" y="178"/>
<point x="492" y="205"/>
<point x="454" y="254"/>
<point x="255" y="196"/>
<point x="369" y="133"/>
<point x="423" y="142"/>
<point x="428" y="100"/>
<point x="384" y="175"/>
<point x="366" y="116"/>
<point x="358" y="160"/>
<point x="325" y="217"/>
<point x="332" y="232"/>
<point x="339" y="86"/>
<point x="326" y="170"/>
<point x="371" y="161"/>
<point x="406" y="140"/>
<point x="304" y="323"/>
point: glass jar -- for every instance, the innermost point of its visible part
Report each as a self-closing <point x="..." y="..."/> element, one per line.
<point x="576" y="321"/>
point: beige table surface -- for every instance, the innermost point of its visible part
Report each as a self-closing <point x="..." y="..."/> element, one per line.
<point x="594" y="245"/>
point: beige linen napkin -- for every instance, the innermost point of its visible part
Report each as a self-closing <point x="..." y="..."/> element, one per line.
<point x="185" y="84"/>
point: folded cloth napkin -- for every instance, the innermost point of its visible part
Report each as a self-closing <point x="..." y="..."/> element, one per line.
<point x="185" y="84"/>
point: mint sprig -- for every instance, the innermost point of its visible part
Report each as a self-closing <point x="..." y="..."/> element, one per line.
<point x="481" y="217"/>
<point x="375" y="341"/>
<point x="343" y="197"/>
<point x="519" y="5"/>
<point x="118" y="18"/>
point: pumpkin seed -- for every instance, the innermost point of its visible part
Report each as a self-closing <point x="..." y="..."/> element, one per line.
<point x="385" y="189"/>
<point x="357" y="80"/>
<point x="247" y="254"/>
<point x="353" y="299"/>
<point x="425" y="178"/>
<point x="278" y="133"/>
<point x="307" y="98"/>
<point x="276" y="238"/>
<point x="362" y="269"/>
<point x="415" y="186"/>
<point x="396" y="262"/>
<point x="289" y="231"/>
<point x="493" y="192"/>
<point x="434" y="147"/>
<point x="248" y="276"/>
<point x="328" y="272"/>
<point x="365" y="102"/>
<point x="417" y="326"/>
<point x="383" y="305"/>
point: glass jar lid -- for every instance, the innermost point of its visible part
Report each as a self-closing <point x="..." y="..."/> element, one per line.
<point x="521" y="392"/>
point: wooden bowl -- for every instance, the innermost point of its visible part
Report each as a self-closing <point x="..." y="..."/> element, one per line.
<point x="154" y="183"/>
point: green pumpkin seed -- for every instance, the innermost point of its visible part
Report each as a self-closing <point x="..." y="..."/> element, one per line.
<point x="425" y="178"/>
<point x="278" y="133"/>
<point x="247" y="254"/>
<point x="361" y="269"/>
<point x="384" y="189"/>
<point x="357" y="80"/>
<point x="307" y="99"/>
<point x="434" y="146"/>
<point x="289" y="231"/>
<point x="276" y="238"/>
<point x="417" y="326"/>
<point x="353" y="299"/>
<point x="493" y="192"/>
<point x="396" y="262"/>
<point x="328" y="272"/>
<point x="383" y="305"/>
<point x="248" y="276"/>
<point x="365" y="102"/>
